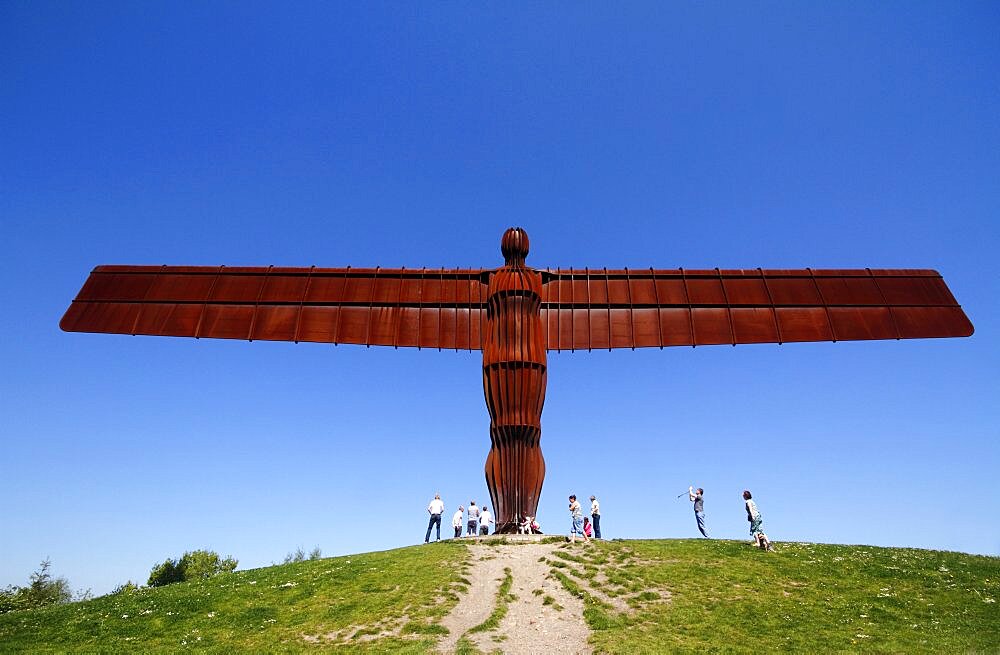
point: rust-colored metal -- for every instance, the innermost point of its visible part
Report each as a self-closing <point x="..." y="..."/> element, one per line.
<point x="501" y="312"/>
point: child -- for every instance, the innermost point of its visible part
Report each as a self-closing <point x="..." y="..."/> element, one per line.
<point x="587" y="530"/>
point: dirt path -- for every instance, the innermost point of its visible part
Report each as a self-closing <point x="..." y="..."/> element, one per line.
<point x="542" y="618"/>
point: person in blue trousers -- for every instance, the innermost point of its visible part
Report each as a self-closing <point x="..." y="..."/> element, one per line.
<point x="434" y="509"/>
<point x="697" y="497"/>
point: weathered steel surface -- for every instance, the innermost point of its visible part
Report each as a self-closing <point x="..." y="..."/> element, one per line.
<point x="514" y="315"/>
<point x="430" y="308"/>
<point x="514" y="375"/>
<point x="586" y="309"/>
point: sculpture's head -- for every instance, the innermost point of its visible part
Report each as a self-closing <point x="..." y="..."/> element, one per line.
<point x="514" y="246"/>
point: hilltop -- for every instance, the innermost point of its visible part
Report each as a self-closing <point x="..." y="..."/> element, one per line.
<point x="614" y="597"/>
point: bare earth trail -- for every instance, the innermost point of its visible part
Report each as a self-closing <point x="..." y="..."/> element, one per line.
<point x="541" y="618"/>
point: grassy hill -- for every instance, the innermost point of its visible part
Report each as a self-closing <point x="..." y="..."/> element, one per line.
<point x="669" y="596"/>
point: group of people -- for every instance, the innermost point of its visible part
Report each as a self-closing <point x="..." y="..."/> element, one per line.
<point x="757" y="535"/>
<point x="478" y="523"/>
<point x="480" y="519"/>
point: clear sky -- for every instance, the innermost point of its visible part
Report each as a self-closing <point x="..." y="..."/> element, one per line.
<point x="662" y="134"/>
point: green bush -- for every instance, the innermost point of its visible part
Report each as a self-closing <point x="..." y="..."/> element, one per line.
<point x="193" y="565"/>
<point x="125" y="589"/>
<point x="43" y="590"/>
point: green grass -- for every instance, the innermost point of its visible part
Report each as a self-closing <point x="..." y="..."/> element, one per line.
<point x="683" y="596"/>
<point x="275" y="610"/>
<point x="503" y="598"/>
<point x="729" y="597"/>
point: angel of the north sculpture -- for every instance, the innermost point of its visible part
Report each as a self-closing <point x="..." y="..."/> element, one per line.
<point x="514" y="315"/>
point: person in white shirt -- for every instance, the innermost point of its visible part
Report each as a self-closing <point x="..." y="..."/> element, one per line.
<point x="595" y="516"/>
<point x="434" y="509"/>
<point x="456" y="521"/>
<point x="484" y="521"/>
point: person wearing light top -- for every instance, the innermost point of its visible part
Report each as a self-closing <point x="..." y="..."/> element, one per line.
<point x="434" y="509"/>
<point x="472" y="529"/>
<point x="697" y="496"/>
<point x="484" y="521"/>
<point x="577" y="513"/>
<point x="595" y="516"/>
<point x="756" y="523"/>
<point x="456" y="521"/>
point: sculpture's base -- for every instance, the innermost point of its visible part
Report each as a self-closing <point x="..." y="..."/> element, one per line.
<point x="511" y="528"/>
<point x="512" y="538"/>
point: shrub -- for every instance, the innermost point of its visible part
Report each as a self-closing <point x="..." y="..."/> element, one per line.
<point x="193" y="565"/>
<point x="299" y="555"/>
<point x="126" y="589"/>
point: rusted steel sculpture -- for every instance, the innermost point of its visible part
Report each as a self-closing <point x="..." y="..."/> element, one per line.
<point x="515" y="314"/>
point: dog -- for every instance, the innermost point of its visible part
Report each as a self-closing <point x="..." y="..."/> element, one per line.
<point x="762" y="542"/>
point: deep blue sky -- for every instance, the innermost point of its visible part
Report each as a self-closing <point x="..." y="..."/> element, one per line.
<point x="695" y="135"/>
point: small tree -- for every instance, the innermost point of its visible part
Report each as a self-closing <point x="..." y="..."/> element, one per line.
<point x="43" y="590"/>
<point x="167" y="573"/>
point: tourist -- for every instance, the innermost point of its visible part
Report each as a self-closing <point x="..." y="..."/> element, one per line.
<point x="697" y="496"/>
<point x="456" y="521"/>
<point x="756" y="523"/>
<point x="434" y="509"/>
<point x="485" y="518"/>
<point x="472" y="529"/>
<point x="595" y="516"/>
<point x="577" y="514"/>
<point x="587" y="532"/>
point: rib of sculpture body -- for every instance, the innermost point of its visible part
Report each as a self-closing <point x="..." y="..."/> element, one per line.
<point x="514" y="375"/>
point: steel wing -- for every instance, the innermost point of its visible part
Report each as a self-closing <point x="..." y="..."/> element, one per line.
<point x="637" y="308"/>
<point x="425" y="308"/>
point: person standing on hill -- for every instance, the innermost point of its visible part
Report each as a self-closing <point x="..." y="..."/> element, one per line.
<point x="595" y="516"/>
<point x="697" y="496"/>
<point x="472" y="528"/>
<point x="577" y="513"/>
<point x="756" y="523"/>
<point x="484" y="521"/>
<point x="456" y="521"/>
<point x="434" y="509"/>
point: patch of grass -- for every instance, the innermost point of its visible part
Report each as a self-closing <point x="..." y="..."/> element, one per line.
<point x="569" y="557"/>
<point x="538" y="592"/>
<point x="806" y="597"/>
<point x="260" y="610"/>
<point x="503" y="599"/>
<point x="549" y="600"/>
<point x="466" y="647"/>
<point x="415" y="628"/>
<point x="569" y="585"/>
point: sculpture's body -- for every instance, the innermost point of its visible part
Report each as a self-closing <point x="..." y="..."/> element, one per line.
<point x="514" y="384"/>
<point x="514" y="315"/>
